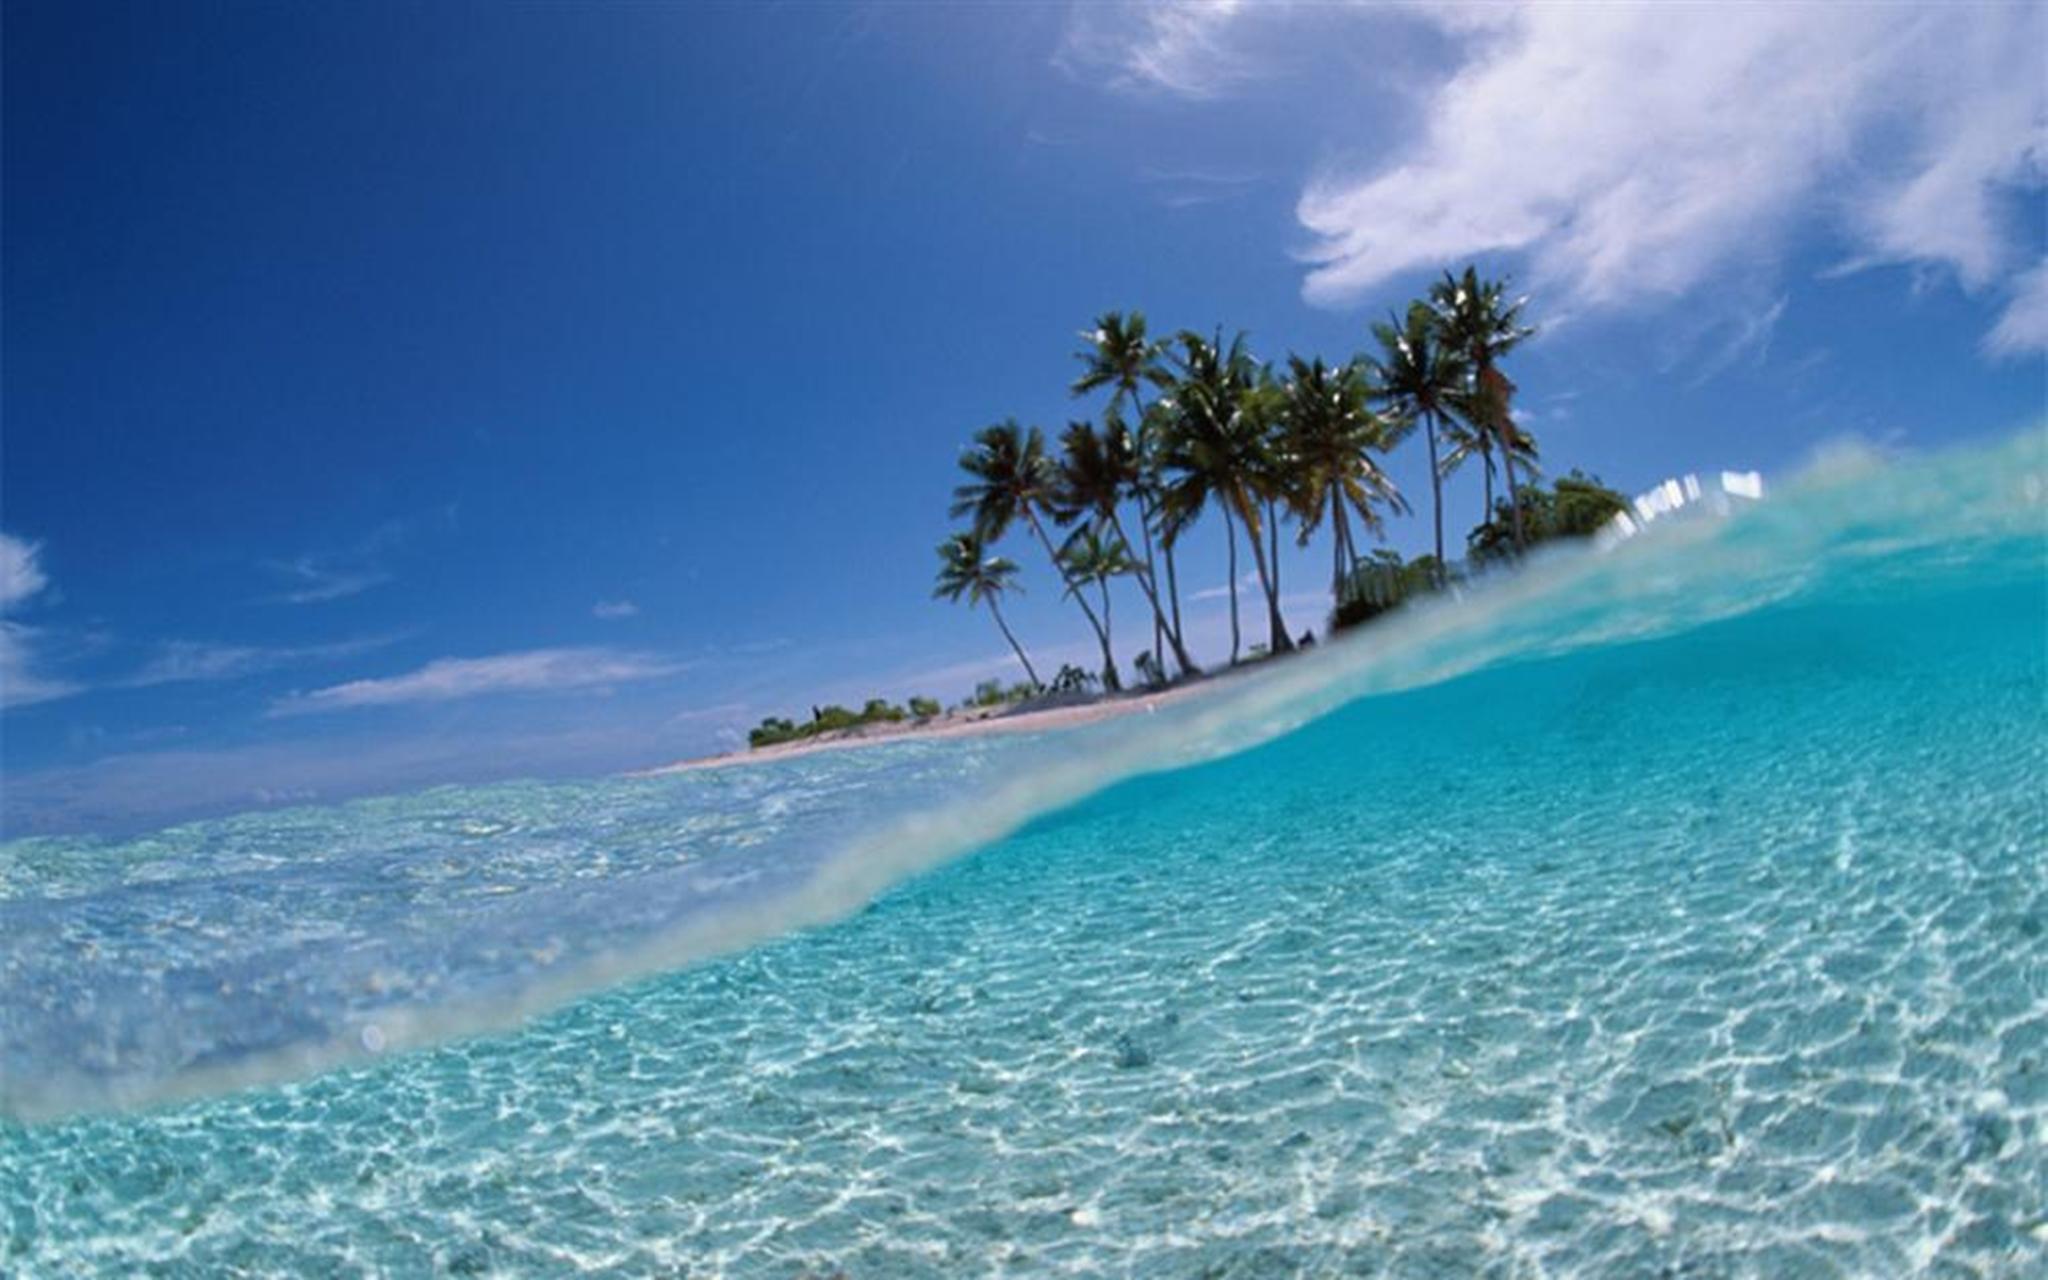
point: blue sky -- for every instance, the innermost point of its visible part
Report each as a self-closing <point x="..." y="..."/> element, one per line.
<point x="398" y="394"/>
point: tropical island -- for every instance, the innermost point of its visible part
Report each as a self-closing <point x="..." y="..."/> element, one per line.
<point x="1194" y="424"/>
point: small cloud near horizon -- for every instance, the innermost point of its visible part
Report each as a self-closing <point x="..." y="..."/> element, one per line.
<point x="445" y="679"/>
<point x="611" y="610"/>
<point x="179" y="661"/>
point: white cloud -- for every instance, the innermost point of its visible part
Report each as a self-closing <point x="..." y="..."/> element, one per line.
<point x="21" y="570"/>
<point x="1248" y="581"/>
<point x="537" y="670"/>
<point x="21" y="578"/>
<point x="1633" y="154"/>
<point x="2024" y="326"/>
<point x="610" y="610"/>
<point x="1185" y="48"/>
<point x="20" y="683"/>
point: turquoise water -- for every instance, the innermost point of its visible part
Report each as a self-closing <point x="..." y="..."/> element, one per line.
<point x="1675" y="909"/>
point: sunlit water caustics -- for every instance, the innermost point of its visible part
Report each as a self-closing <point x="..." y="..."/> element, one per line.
<point x="1678" y="909"/>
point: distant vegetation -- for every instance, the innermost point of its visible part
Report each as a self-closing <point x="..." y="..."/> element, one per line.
<point x="832" y="718"/>
<point x="1194" y="424"/>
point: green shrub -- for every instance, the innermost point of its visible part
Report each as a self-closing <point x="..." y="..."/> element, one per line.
<point x="1577" y="506"/>
<point x="924" y="708"/>
<point x="1072" y="679"/>
<point x="1381" y="581"/>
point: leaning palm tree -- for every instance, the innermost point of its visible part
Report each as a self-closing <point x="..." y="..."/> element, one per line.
<point x="1213" y="453"/>
<point x="1418" y="376"/>
<point x="1329" y="434"/>
<point x="1117" y="354"/>
<point x="966" y="568"/>
<point x="1012" y="480"/>
<point x="1090" y="557"/>
<point x="1097" y="469"/>
<point x="1475" y="319"/>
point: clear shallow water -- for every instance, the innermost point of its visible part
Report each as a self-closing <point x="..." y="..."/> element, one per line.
<point x="1675" y="911"/>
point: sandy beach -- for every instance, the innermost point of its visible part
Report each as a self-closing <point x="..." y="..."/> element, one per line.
<point x="959" y="723"/>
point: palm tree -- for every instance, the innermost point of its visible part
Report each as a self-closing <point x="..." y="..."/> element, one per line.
<point x="1272" y="476"/>
<point x="1467" y="441"/>
<point x="1012" y="479"/>
<point x="1089" y="557"/>
<point x="1096" y="470"/>
<point x="1117" y="354"/>
<point x="1418" y="377"/>
<point x="1213" y="452"/>
<point x="1475" y="319"/>
<point x="1328" y="435"/>
<point x="965" y="567"/>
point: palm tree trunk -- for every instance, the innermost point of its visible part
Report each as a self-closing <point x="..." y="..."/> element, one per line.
<point x="1436" y="486"/>
<point x="1151" y="590"/>
<point x="1488" y="518"/>
<point x="1507" y="460"/>
<point x="1336" y="544"/>
<point x="1109" y="676"/>
<point x="1151" y="583"/>
<point x="1273" y="538"/>
<point x="1172" y="591"/>
<point x="1503" y="432"/>
<point x="1277" y="639"/>
<point x="1107" y="630"/>
<point x="1015" y="648"/>
<point x="1230" y="540"/>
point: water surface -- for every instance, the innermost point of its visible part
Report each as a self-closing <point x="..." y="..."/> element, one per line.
<point x="1673" y="910"/>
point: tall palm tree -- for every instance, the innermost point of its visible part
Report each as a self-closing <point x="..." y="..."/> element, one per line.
<point x="1213" y="452"/>
<point x="1011" y="480"/>
<point x="1097" y="469"/>
<point x="966" y="568"/>
<point x="1328" y="436"/>
<point x="1117" y="354"/>
<point x="1418" y="376"/>
<point x="1090" y="557"/>
<point x="1475" y="319"/>
<point x="1272" y="476"/>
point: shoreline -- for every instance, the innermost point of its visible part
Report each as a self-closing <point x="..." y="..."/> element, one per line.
<point x="951" y="724"/>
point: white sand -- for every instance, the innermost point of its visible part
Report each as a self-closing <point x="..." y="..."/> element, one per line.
<point x="953" y="724"/>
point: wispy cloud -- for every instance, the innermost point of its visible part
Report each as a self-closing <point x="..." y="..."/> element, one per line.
<point x="1748" y="338"/>
<point x="21" y="570"/>
<point x="1184" y="48"/>
<point x="177" y="661"/>
<point x="21" y="579"/>
<point x="335" y="576"/>
<point x="444" y="679"/>
<point x="1573" y="136"/>
<point x="612" y="610"/>
<point x="323" y="583"/>
<point x="1246" y="582"/>
<point x="21" y="683"/>
<point x="2024" y="326"/>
